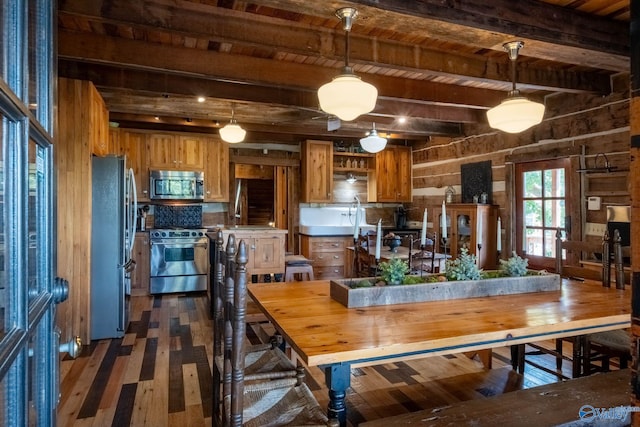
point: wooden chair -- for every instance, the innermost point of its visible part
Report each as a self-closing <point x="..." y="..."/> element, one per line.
<point x="364" y="266"/>
<point x="263" y="361"/>
<point x="251" y="402"/>
<point x="601" y="346"/>
<point x="424" y="261"/>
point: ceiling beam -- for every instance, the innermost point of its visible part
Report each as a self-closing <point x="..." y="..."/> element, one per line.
<point x="113" y="78"/>
<point x="550" y="32"/>
<point x="241" y="69"/>
<point x="230" y="26"/>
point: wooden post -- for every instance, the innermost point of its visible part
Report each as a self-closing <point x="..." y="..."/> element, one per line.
<point x="634" y="184"/>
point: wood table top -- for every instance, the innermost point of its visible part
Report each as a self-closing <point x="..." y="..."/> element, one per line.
<point x="323" y="331"/>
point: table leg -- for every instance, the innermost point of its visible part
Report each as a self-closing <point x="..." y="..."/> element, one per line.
<point x="338" y="379"/>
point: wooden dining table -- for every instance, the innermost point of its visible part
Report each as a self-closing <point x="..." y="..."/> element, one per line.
<point x="326" y="334"/>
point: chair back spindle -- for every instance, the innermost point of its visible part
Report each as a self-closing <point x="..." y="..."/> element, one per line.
<point x="218" y="292"/>
<point x="239" y="310"/>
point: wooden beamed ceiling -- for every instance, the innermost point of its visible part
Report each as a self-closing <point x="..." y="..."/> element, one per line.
<point x="441" y="65"/>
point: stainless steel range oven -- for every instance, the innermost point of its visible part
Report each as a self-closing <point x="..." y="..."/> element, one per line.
<point x="179" y="260"/>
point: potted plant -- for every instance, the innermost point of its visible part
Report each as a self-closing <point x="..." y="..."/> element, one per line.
<point x="393" y="271"/>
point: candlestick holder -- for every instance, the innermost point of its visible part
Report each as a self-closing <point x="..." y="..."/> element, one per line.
<point x="479" y="245"/>
<point x="444" y="241"/>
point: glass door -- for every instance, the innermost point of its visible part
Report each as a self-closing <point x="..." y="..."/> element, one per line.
<point x="542" y="209"/>
<point x="28" y="293"/>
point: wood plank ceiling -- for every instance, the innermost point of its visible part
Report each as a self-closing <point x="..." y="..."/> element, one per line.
<point x="439" y="64"/>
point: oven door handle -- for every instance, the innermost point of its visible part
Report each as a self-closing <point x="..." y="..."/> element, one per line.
<point x="180" y="245"/>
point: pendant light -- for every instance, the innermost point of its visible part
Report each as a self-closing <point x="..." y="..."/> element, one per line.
<point x="347" y="96"/>
<point x="374" y="142"/>
<point x="232" y="132"/>
<point x="516" y="113"/>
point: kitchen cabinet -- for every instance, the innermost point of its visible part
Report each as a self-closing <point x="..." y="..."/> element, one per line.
<point x="141" y="255"/>
<point x="327" y="254"/>
<point x="392" y="181"/>
<point x="168" y="151"/>
<point x="470" y="225"/>
<point x="317" y="171"/>
<point x="99" y="119"/>
<point x="216" y="174"/>
<point x="133" y="146"/>
<point x="265" y="245"/>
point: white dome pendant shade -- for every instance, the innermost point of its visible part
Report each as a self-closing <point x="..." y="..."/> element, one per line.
<point x="373" y="143"/>
<point x="232" y="132"/>
<point x="347" y="96"/>
<point x="516" y="113"/>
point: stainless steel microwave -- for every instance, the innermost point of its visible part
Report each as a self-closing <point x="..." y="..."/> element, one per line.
<point x="176" y="185"/>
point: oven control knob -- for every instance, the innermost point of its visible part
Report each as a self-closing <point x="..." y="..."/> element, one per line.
<point x="163" y="234"/>
<point x="193" y="233"/>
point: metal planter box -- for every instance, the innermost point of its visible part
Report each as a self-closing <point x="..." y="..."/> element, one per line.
<point x="438" y="291"/>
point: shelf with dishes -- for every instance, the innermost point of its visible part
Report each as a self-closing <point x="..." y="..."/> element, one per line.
<point x="353" y="162"/>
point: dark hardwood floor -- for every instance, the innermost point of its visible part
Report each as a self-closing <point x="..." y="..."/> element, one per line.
<point x="159" y="374"/>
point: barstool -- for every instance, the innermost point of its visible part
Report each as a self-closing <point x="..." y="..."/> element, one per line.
<point x="297" y="264"/>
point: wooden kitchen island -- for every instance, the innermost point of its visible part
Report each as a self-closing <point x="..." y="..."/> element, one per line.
<point x="267" y="246"/>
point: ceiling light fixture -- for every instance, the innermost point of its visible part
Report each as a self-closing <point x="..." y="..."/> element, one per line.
<point x="347" y="96"/>
<point x="516" y="113"/>
<point x="374" y="142"/>
<point x="351" y="178"/>
<point x="232" y="132"/>
<point x="201" y="99"/>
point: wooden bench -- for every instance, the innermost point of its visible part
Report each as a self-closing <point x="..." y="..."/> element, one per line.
<point x="549" y="405"/>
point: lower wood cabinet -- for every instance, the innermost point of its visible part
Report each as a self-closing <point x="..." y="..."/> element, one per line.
<point x="141" y="254"/>
<point x="327" y="254"/>
<point x="265" y="248"/>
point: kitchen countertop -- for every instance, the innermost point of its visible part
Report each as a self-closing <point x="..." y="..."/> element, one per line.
<point x="262" y="229"/>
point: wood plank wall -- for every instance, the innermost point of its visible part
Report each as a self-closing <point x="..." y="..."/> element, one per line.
<point x="573" y="124"/>
<point x="634" y="182"/>
<point x="78" y="104"/>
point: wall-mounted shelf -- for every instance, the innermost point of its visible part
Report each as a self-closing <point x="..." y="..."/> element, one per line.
<point x="352" y="169"/>
<point x="347" y="154"/>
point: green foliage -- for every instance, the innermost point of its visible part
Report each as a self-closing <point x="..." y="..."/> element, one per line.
<point x="364" y="283"/>
<point x="413" y="280"/>
<point x="514" y="266"/>
<point x="393" y="271"/>
<point x="463" y="268"/>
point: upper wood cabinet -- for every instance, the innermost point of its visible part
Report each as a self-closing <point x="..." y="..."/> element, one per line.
<point x="317" y="171"/>
<point x="216" y="174"/>
<point x="171" y="151"/>
<point x="133" y="146"/>
<point x="99" y="119"/>
<point x="393" y="175"/>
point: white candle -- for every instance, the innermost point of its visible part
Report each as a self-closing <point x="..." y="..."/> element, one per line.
<point x="479" y="230"/>
<point x="378" y="239"/>
<point x="423" y="236"/>
<point x="443" y="221"/>
<point x="356" y="224"/>
<point x="524" y="240"/>
<point x="499" y="236"/>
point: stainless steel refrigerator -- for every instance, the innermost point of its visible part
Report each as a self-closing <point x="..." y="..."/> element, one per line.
<point x="113" y="219"/>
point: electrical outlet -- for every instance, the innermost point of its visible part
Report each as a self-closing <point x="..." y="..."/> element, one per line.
<point x="595" y="229"/>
